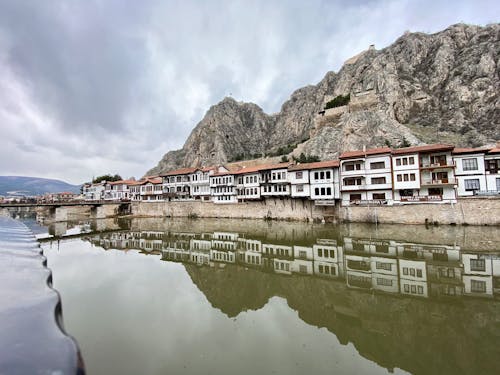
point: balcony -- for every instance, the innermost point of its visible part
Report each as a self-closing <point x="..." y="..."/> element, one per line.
<point x="440" y="165"/>
<point x="443" y="181"/>
<point x="353" y="187"/>
<point x="426" y="198"/>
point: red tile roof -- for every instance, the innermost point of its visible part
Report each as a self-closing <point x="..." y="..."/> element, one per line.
<point x="180" y="171"/>
<point x="124" y="182"/>
<point x="495" y="150"/>
<point x="315" y="165"/>
<point x="361" y="153"/>
<point x="458" y="150"/>
<point x="424" y="148"/>
<point x="155" y="181"/>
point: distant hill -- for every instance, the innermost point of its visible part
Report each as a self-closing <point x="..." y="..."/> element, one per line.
<point x="17" y="185"/>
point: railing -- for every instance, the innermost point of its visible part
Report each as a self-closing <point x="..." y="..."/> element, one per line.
<point x="446" y="164"/>
<point x="427" y="198"/>
<point x="487" y="192"/>
<point x="369" y="202"/>
<point x="443" y="181"/>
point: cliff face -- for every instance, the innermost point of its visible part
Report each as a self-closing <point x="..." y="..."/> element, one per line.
<point x="423" y="88"/>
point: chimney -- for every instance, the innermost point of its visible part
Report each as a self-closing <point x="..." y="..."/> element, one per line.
<point x="364" y="148"/>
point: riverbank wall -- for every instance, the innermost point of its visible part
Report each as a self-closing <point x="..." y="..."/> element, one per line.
<point x="467" y="211"/>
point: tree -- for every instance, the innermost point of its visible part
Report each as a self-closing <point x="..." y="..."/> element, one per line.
<point x="106" y="177"/>
<point x="338" y="101"/>
<point x="284" y="159"/>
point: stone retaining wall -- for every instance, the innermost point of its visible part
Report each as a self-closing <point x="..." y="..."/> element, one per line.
<point x="282" y="209"/>
<point x="473" y="211"/>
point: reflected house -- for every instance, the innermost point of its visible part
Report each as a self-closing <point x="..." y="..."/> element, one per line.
<point x="374" y="261"/>
<point x="481" y="272"/>
<point x="328" y="259"/>
<point x="278" y="258"/>
<point x="412" y="270"/>
<point x="424" y="174"/>
<point x="303" y="260"/>
<point x="444" y="271"/>
<point x="366" y="177"/>
<point x="224" y="247"/>
<point x="381" y="265"/>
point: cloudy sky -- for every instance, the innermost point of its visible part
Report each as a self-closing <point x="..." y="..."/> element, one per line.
<point x="96" y="86"/>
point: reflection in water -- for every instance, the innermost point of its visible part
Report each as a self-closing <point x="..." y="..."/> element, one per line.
<point x="347" y="284"/>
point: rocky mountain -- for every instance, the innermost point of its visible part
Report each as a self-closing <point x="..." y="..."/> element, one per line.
<point x="424" y="88"/>
<point x="29" y="186"/>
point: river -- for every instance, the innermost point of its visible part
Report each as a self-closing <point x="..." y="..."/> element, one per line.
<point x="157" y="296"/>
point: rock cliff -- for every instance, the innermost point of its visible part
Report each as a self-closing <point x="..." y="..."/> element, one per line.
<point x="423" y="88"/>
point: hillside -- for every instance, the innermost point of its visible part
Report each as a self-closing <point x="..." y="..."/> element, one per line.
<point x="17" y="185"/>
<point x="423" y="88"/>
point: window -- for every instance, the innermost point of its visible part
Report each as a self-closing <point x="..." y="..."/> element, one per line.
<point x="398" y="162"/>
<point x="383" y="266"/>
<point x="327" y="174"/>
<point x="399" y="177"/>
<point x="328" y="191"/>
<point x="300" y="188"/>
<point x="316" y="191"/>
<point x="378" y="195"/>
<point x="302" y="269"/>
<point x="355" y="197"/>
<point x="469" y="164"/>
<point x="405" y="161"/>
<point x="477" y="265"/>
<point x="378" y="180"/>
<point x="298" y="175"/>
<point x="320" y="268"/>
<point x="472" y="184"/>
<point x="419" y="273"/>
<point x="412" y="176"/>
<point x="384" y="282"/>
<point x="377" y="165"/>
<point x="352" y="181"/>
<point x="411" y="160"/>
<point x="320" y="252"/>
<point x="316" y="175"/>
<point x="407" y="288"/>
<point x="405" y="271"/>
<point x="478" y="286"/>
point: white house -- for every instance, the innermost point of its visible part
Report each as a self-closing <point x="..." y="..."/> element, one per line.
<point x="318" y="181"/>
<point x="150" y="189"/>
<point x="247" y="183"/>
<point x="200" y="182"/>
<point x="424" y="174"/>
<point x="177" y="184"/>
<point x="274" y="180"/>
<point x="470" y="172"/>
<point x="366" y="177"/>
<point x="94" y="191"/>
<point x="117" y="190"/>
<point x="492" y="169"/>
<point x="223" y="187"/>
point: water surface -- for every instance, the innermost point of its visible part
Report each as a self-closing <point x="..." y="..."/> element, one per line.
<point x="159" y="296"/>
